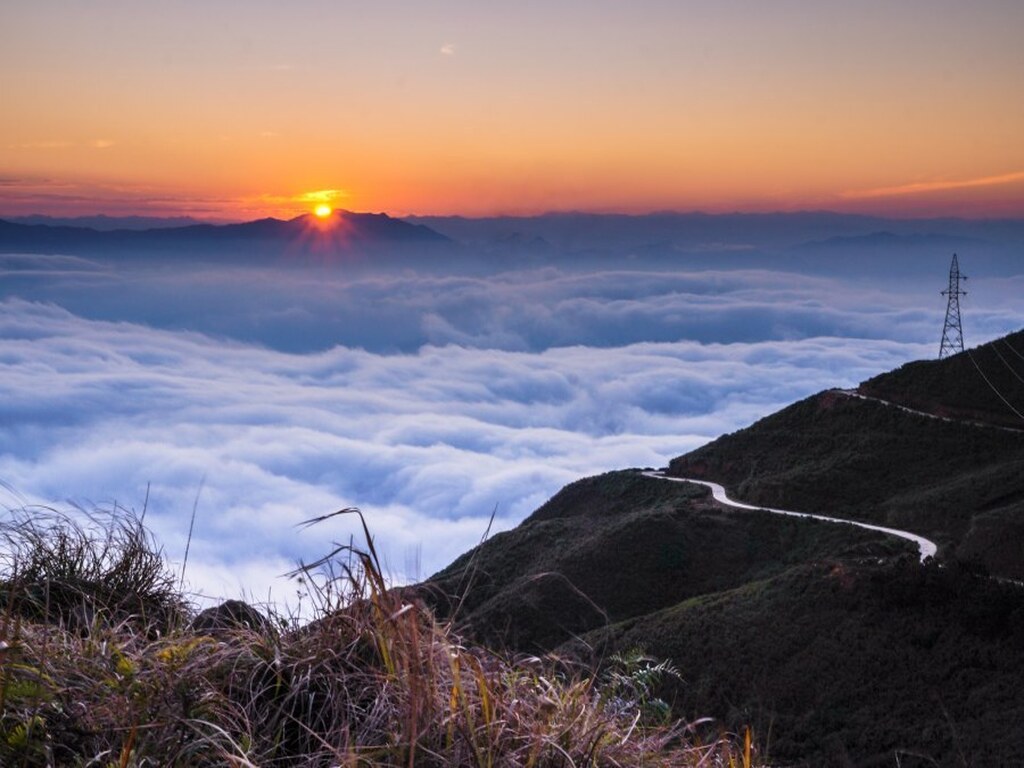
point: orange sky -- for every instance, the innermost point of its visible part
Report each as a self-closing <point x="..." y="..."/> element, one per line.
<point x="237" y="110"/>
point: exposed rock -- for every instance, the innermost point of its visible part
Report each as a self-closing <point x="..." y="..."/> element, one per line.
<point x="230" y="615"/>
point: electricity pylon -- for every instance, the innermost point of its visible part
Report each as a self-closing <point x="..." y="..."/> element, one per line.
<point x="952" y="330"/>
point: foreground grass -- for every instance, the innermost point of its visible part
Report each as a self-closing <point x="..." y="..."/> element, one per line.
<point x="102" y="663"/>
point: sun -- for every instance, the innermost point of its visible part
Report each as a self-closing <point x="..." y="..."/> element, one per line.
<point x="322" y="211"/>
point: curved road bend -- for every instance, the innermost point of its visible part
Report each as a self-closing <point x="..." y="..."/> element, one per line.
<point x="926" y="546"/>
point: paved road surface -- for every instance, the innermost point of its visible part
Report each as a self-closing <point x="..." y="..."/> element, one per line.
<point x="926" y="547"/>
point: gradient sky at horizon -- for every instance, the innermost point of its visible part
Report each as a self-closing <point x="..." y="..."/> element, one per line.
<point x="238" y="110"/>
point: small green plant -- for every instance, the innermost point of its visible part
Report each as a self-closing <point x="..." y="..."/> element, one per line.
<point x="631" y="682"/>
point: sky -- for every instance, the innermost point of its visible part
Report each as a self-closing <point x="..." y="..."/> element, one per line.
<point x="236" y="110"/>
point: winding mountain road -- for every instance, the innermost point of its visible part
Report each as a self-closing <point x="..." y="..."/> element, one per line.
<point x="926" y="547"/>
<point x="913" y="411"/>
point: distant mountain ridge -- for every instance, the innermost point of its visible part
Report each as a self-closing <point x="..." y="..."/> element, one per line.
<point x="343" y="231"/>
<point x="102" y="222"/>
<point x="809" y="242"/>
<point x="767" y="230"/>
<point x="815" y="242"/>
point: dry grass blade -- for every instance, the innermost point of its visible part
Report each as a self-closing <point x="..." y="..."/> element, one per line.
<point x="371" y="680"/>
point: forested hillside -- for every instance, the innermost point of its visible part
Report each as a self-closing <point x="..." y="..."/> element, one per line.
<point x="952" y="479"/>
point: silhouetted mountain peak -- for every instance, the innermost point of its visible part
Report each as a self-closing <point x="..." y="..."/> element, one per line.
<point x="342" y="231"/>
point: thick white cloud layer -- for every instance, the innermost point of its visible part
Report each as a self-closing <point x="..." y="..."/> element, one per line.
<point x="509" y="387"/>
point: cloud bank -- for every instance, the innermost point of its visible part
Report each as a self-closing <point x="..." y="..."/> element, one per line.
<point x="526" y="309"/>
<point x="428" y="401"/>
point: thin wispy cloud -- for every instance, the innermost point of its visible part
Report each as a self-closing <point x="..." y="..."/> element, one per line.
<point x="43" y="144"/>
<point x="288" y="204"/>
<point x="448" y="49"/>
<point x="62" y="144"/>
<point x="279" y="67"/>
<point x="86" y="197"/>
<point x="925" y="187"/>
<point x="322" y="196"/>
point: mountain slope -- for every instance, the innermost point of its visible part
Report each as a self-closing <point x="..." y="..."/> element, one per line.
<point x="849" y="664"/>
<point x="836" y="644"/>
<point x="620" y="545"/>
<point x="959" y="483"/>
<point x="956" y="387"/>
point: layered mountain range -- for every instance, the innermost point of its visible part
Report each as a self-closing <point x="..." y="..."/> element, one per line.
<point x="810" y="242"/>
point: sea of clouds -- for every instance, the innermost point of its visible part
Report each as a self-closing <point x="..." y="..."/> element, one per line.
<point x="264" y="397"/>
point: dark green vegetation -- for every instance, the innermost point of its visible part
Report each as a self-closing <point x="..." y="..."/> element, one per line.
<point x="958" y="483"/>
<point x="837" y="645"/>
<point x="838" y="664"/>
<point x="102" y="665"/>
<point x="954" y="387"/>
<point x="621" y="545"/>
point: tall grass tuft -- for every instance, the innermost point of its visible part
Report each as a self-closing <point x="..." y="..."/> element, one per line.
<point x="76" y="570"/>
<point x="372" y="680"/>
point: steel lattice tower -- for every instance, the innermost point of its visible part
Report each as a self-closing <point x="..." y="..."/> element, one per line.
<point x="953" y="331"/>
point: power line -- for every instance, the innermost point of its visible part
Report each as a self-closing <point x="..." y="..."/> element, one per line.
<point x="1012" y="349"/>
<point x="993" y="388"/>
<point x="1000" y="356"/>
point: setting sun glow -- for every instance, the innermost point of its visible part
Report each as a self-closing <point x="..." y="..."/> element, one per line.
<point x="322" y="211"/>
<point x="778" y="107"/>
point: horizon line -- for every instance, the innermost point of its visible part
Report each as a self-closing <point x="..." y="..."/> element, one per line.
<point x="218" y="221"/>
